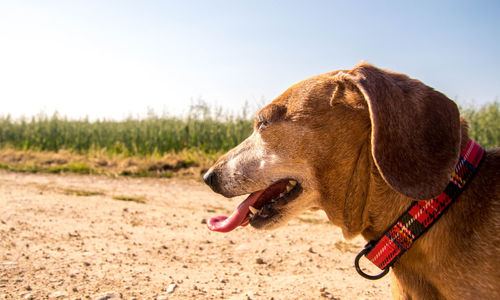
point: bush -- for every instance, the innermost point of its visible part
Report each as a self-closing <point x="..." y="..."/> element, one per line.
<point x="484" y="124"/>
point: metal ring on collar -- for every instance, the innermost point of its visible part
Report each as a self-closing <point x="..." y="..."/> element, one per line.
<point x="367" y="276"/>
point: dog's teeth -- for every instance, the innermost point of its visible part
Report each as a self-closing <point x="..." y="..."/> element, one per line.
<point x="253" y="210"/>
<point x="290" y="185"/>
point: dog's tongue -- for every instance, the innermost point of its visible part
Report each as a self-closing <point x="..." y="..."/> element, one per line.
<point x="226" y="224"/>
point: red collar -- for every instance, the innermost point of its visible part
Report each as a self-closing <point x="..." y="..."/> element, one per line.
<point x="420" y="216"/>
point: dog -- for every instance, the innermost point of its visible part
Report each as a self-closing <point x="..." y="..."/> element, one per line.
<point x="363" y="145"/>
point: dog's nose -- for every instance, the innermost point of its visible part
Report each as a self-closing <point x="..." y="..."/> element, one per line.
<point x="209" y="178"/>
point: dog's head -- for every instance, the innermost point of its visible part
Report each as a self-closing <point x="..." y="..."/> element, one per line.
<point x="326" y="136"/>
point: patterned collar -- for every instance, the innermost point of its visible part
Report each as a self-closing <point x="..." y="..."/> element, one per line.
<point x="420" y="216"/>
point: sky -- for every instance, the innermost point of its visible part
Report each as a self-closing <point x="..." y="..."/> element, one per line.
<point x="115" y="59"/>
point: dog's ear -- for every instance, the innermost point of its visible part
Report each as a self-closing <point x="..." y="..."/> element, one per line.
<point x="415" y="135"/>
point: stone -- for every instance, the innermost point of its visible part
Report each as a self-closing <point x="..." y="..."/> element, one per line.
<point x="108" y="295"/>
<point x="59" y="295"/>
<point x="171" y="288"/>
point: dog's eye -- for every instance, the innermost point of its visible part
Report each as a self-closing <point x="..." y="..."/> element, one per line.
<point x="261" y="123"/>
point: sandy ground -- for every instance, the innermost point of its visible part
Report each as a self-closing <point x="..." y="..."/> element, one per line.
<point x="57" y="241"/>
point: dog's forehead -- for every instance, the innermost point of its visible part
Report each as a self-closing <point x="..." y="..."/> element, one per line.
<point x="306" y="95"/>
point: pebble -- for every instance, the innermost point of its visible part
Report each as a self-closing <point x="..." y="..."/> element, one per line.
<point x="58" y="295"/>
<point x="73" y="273"/>
<point x="108" y="295"/>
<point x="260" y="261"/>
<point x="171" y="288"/>
<point x="243" y="247"/>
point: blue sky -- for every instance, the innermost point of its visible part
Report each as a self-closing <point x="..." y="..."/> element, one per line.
<point x="113" y="59"/>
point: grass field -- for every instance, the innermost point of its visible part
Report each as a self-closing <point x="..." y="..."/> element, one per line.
<point x="153" y="146"/>
<point x="131" y="137"/>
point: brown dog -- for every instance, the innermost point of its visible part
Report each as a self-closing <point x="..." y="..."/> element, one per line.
<point x="362" y="144"/>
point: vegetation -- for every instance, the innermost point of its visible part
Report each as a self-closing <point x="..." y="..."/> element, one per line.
<point x="153" y="146"/>
<point x="203" y="129"/>
<point x="484" y="124"/>
<point x="186" y="163"/>
<point x="130" y="198"/>
<point x="82" y="193"/>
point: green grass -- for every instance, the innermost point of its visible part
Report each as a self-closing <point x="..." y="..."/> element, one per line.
<point x="23" y="168"/>
<point x="82" y="193"/>
<point x="30" y="167"/>
<point x="132" y="137"/>
<point x="4" y="166"/>
<point x="186" y="164"/>
<point x="130" y="198"/>
<point x="484" y="124"/>
<point x="71" y="167"/>
<point x="165" y="146"/>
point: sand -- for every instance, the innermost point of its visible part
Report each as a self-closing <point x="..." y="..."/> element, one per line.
<point x="67" y="237"/>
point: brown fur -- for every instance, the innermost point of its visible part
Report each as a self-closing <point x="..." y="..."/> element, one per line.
<point x="365" y="143"/>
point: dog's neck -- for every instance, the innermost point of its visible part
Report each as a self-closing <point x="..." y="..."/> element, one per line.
<point x="376" y="217"/>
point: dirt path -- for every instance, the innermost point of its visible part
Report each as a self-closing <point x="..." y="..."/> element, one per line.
<point x="65" y="236"/>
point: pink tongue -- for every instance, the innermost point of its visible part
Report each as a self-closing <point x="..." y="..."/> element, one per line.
<point x="226" y="224"/>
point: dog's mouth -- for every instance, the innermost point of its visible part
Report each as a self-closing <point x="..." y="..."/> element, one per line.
<point x="260" y="207"/>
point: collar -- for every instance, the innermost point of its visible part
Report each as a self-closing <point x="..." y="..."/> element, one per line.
<point x="420" y="216"/>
